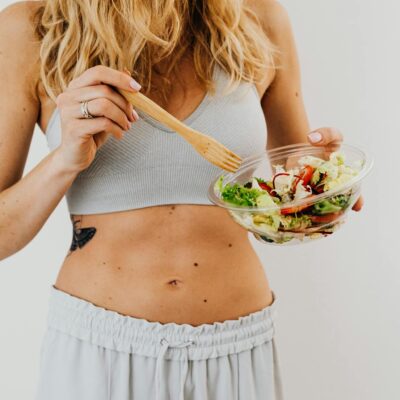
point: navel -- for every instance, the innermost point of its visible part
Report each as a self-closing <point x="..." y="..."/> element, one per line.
<point x="174" y="282"/>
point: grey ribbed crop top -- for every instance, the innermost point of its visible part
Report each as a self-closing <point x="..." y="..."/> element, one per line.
<point x="152" y="165"/>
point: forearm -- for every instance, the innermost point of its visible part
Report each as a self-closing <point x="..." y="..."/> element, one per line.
<point x="286" y="132"/>
<point x="286" y="117"/>
<point x="26" y="206"/>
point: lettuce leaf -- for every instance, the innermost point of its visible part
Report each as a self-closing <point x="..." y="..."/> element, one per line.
<point x="239" y="195"/>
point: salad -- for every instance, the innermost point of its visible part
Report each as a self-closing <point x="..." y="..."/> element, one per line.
<point x="288" y="205"/>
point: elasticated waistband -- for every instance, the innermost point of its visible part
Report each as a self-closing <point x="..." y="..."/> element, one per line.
<point x="109" y="329"/>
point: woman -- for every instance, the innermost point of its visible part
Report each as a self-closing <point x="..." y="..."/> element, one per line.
<point x="161" y="294"/>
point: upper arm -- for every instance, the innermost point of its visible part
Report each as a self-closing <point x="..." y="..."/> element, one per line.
<point x="19" y="104"/>
<point x="282" y="102"/>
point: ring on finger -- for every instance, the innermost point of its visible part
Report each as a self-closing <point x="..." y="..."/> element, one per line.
<point x="85" y="110"/>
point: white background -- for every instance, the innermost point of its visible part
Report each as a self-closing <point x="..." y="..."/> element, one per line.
<point x="338" y="329"/>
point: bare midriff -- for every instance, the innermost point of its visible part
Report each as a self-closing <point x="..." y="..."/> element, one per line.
<point x="172" y="263"/>
<point x="178" y="263"/>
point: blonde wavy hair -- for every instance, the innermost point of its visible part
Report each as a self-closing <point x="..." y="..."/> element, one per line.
<point x="150" y="38"/>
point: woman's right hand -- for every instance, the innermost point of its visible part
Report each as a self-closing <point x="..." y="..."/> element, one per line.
<point x="113" y="115"/>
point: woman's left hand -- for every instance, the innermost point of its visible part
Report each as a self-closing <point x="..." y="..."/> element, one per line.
<point x="327" y="137"/>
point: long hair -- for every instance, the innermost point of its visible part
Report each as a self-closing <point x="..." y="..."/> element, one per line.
<point x="150" y="38"/>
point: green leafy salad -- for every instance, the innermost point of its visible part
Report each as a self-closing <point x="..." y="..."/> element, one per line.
<point x="293" y="188"/>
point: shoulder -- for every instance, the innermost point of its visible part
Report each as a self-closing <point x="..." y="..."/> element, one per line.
<point x="19" y="17"/>
<point x="19" y="44"/>
<point x="273" y="17"/>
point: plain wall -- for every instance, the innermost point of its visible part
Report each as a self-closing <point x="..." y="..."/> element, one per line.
<point x="338" y="328"/>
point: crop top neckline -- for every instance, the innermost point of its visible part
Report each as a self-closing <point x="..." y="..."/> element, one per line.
<point x="190" y="118"/>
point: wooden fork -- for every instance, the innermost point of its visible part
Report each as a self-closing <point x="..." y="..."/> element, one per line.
<point x="205" y="145"/>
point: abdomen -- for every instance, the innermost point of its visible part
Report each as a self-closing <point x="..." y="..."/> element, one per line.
<point x="176" y="263"/>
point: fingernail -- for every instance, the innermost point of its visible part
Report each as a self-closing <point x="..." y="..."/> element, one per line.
<point x="135" y="85"/>
<point x="135" y="115"/>
<point x="315" y="137"/>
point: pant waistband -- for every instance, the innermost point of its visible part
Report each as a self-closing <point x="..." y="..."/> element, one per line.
<point x="86" y="321"/>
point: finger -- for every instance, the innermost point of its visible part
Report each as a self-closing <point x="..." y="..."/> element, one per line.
<point x="134" y="113"/>
<point x="358" y="204"/>
<point x="328" y="137"/>
<point x="103" y="91"/>
<point x="101" y="138"/>
<point x="90" y="127"/>
<point x="103" y="107"/>
<point x="126" y="71"/>
<point x="100" y="74"/>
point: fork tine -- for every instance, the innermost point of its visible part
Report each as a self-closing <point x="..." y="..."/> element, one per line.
<point x="224" y="152"/>
<point x="227" y="165"/>
<point x="219" y="147"/>
<point x="234" y="165"/>
<point x="218" y="161"/>
<point x="212" y="143"/>
<point x="223" y="157"/>
<point x="234" y="155"/>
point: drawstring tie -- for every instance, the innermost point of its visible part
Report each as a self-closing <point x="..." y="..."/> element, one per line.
<point x="159" y="366"/>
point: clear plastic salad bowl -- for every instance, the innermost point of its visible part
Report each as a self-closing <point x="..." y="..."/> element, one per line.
<point x="308" y="212"/>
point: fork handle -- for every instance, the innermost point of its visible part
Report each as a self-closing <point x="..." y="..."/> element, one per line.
<point x="143" y="103"/>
